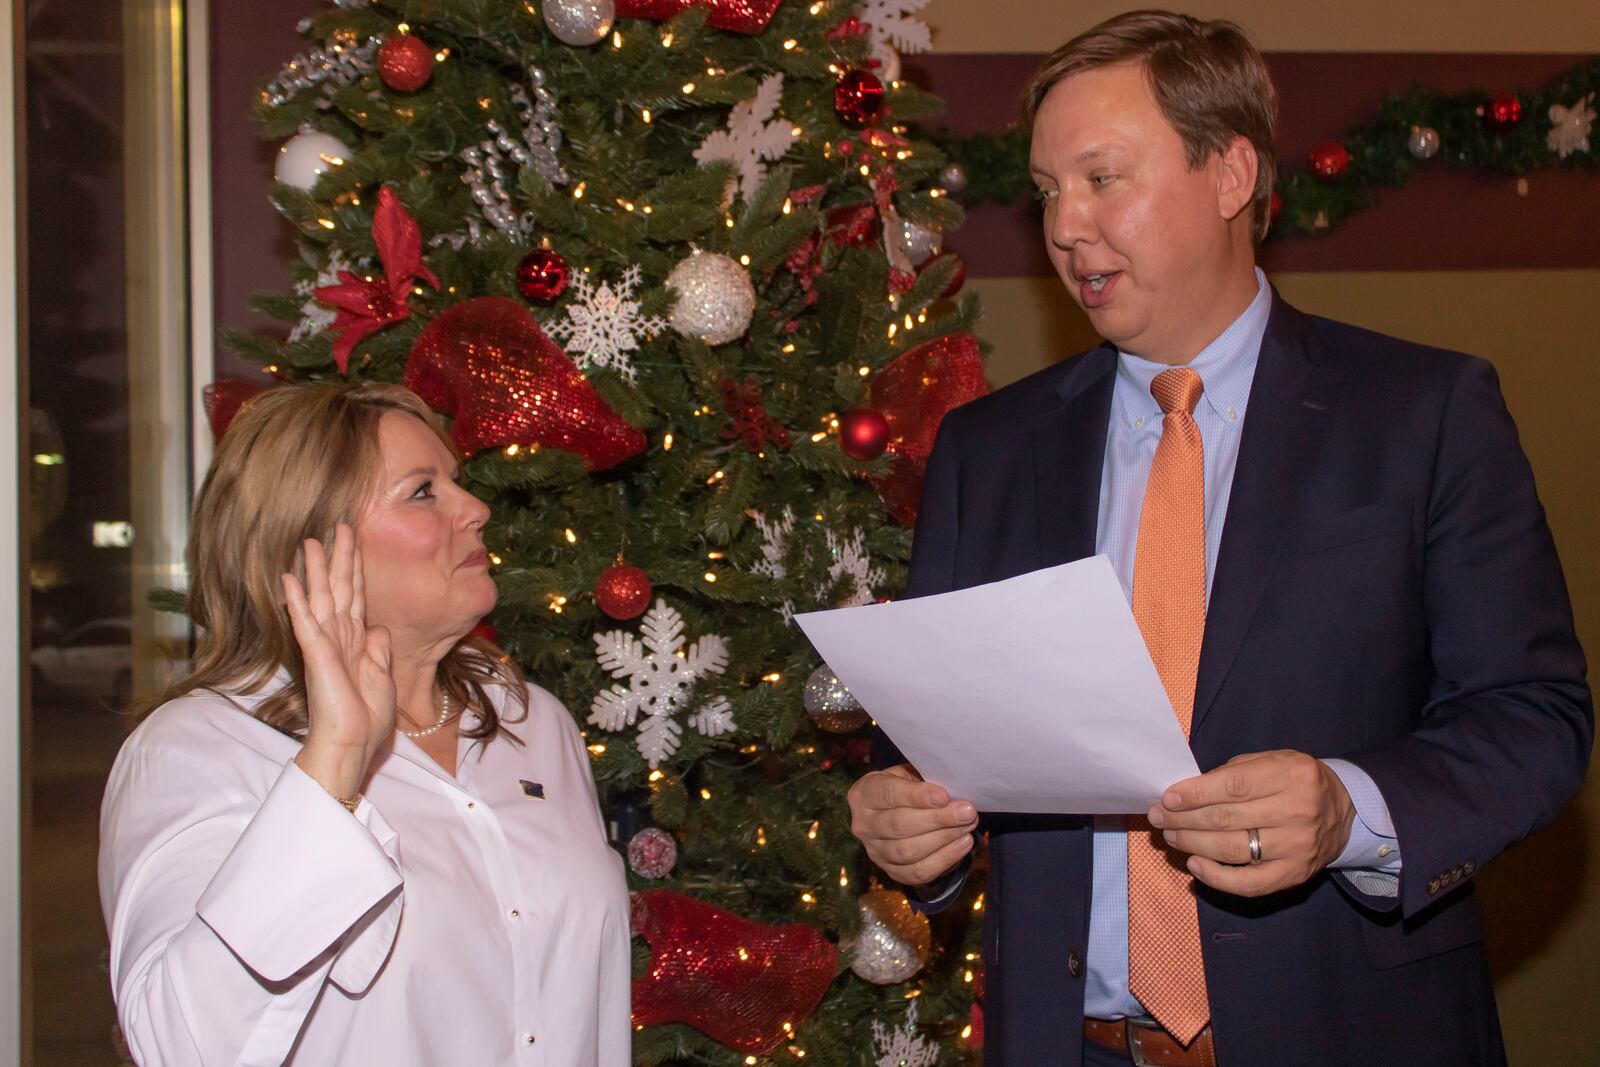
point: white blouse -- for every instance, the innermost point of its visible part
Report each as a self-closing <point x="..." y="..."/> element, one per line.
<point x="475" y="920"/>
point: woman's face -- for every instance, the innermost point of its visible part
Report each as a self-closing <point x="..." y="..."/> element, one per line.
<point x="425" y="568"/>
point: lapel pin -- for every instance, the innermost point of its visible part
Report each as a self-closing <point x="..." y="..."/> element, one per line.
<point x="533" y="789"/>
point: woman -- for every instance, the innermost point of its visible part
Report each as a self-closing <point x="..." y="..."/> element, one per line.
<point x="325" y="846"/>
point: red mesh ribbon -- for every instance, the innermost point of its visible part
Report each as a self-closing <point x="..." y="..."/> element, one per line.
<point x="223" y="399"/>
<point x="735" y="980"/>
<point x="915" y="392"/>
<point x="740" y="16"/>
<point x="486" y="363"/>
<point x="366" y="306"/>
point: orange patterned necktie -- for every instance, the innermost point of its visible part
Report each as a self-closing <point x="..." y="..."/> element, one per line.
<point x="1165" y="970"/>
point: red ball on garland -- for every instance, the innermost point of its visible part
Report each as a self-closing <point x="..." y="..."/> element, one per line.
<point x="542" y="275"/>
<point x="623" y="591"/>
<point x="1329" y="160"/>
<point x="405" y="63"/>
<point x="1502" y="114"/>
<point x="858" y="98"/>
<point x="1274" y="208"/>
<point x="864" y="434"/>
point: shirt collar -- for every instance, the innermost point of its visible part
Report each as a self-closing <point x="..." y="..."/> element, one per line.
<point x="1227" y="366"/>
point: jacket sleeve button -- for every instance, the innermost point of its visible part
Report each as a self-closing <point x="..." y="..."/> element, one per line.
<point x="1074" y="964"/>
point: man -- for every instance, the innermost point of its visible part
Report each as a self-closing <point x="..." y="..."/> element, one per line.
<point x="1333" y="547"/>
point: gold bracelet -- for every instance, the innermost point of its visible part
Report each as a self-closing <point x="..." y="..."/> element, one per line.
<point x="352" y="804"/>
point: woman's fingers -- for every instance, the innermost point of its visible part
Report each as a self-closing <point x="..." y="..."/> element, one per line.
<point x="341" y="581"/>
<point x="318" y="595"/>
<point x="301" y="620"/>
<point x="358" y="584"/>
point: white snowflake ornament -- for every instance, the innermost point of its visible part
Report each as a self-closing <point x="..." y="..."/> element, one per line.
<point x="660" y="672"/>
<point x="602" y="325"/>
<point x="315" y="316"/>
<point x="903" y="1046"/>
<point x="753" y="137"/>
<point x="893" y="29"/>
<point x="1570" y="127"/>
<point x="847" y="559"/>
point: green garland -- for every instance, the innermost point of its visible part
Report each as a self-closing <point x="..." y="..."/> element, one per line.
<point x="997" y="163"/>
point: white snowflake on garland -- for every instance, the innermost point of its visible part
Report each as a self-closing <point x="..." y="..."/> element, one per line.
<point x="660" y="672"/>
<point x="752" y="137"/>
<point x="847" y="559"/>
<point x="315" y="316"/>
<point x="1570" y="127"/>
<point x="602" y="325"/>
<point x="903" y="1047"/>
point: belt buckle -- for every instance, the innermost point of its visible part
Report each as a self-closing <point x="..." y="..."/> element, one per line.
<point x="1136" y="1027"/>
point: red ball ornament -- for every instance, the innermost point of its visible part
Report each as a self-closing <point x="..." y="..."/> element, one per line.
<point x="542" y="275"/>
<point x="864" y="434"/>
<point x="1502" y="114"/>
<point x="957" y="280"/>
<point x="858" y="98"/>
<point x="623" y="591"/>
<point x="1329" y="160"/>
<point x="652" y="853"/>
<point x="405" y="63"/>
<point x="1274" y="208"/>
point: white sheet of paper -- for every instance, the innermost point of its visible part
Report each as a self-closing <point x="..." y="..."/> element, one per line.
<point x="1033" y="694"/>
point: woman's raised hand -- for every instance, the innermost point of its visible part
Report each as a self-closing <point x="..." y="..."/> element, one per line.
<point x="350" y="693"/>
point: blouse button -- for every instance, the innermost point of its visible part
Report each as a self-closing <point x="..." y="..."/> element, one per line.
<point x="514" y="913"/>
<point x="529" y="1038"/>
<point x="472" y="805"/>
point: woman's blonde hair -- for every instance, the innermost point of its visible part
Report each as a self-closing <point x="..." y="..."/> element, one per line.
<point x="296" y="461"/>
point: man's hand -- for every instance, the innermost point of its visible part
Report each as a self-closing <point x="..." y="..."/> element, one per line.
<point x="1299" y="807"/>
<point x="911" y="829"/>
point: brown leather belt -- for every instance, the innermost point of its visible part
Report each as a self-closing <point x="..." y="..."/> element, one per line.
<point x="1147" y="1045"/>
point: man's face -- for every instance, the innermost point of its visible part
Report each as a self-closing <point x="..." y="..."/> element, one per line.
<point x="1143" y="243"/>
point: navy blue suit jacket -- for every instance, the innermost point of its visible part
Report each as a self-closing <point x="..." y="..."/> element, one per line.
<point x="1387" y="592"/>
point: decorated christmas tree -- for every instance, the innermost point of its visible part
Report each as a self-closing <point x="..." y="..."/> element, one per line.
<point x="673" y="276"/>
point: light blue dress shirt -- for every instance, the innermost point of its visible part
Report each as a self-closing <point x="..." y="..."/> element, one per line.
<point x="1226" y="367"/>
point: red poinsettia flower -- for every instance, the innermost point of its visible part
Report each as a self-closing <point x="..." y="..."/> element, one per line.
<point x="367" y="305"/>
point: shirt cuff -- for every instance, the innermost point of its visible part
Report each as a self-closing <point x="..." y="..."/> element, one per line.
<point x="302" y="875"/>
<point x="1373" y="845"/>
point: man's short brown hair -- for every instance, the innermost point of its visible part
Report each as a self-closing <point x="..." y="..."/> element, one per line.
<point x="1208" y="79"/>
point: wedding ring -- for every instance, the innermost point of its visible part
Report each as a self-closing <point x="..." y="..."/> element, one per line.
<point x="1255" y="846"/>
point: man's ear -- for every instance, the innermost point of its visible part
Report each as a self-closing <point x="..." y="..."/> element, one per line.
<point x="1237" y="166"/>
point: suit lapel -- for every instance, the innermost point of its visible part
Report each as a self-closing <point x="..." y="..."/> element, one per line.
<point x="1068" y="446"/>
<point x="1291" y="408"/>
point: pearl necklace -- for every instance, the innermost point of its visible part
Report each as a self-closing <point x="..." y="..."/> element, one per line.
<point x="444" y="717"/>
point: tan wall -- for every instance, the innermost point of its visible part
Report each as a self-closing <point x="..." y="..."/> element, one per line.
<point x="1541" y="329"/>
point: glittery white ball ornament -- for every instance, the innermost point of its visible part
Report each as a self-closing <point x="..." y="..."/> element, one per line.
<point x="1423" y="142"/>
<point x="652" y="853"/>
<point x="831" y="706"/>
<point x="953" y="178"/>
<point x="921" y="243"/>
<point x="579" y="23"/>
<point x="894" y="940"/>
<point x="303" y="158"/>
<point x="715" y="298"/>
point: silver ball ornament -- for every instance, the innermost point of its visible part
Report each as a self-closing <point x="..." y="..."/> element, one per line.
<point x="579" y="23"/>
<point x="715" y="298"/>
<point x="1423" y="142"/>
<point x="831" y="706"/>
<point x="652" y="853"/>
<point x="894" y="940"/>
<point x="953" y="178"/>
<point x="306" y="156"/>
<point x="888" y="61"/>
<point x="921" y="243"/>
